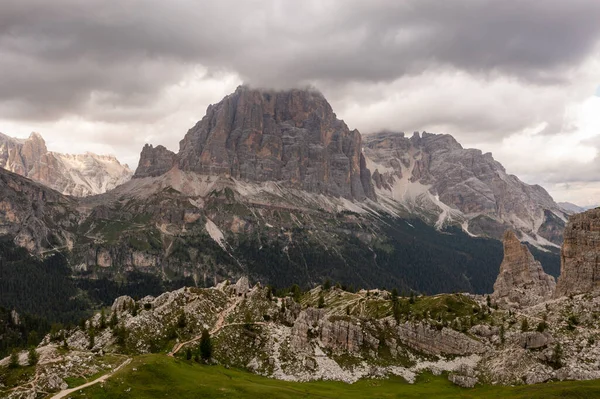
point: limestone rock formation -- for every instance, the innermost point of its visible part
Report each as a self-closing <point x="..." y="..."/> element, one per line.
<point x="522" y="280"/>
<point x="154" y="161"/>
<point x="36" y="216"/>
<point x="434" y="176"/>
<point x="291" y="137"/>
<point x="79" y="175"/>
<point x="535" y="340"/>
<point x="434" y="342"/>
<point x="580" y="263"/>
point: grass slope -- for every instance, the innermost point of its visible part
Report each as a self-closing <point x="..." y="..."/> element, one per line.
<point x="160" y="376"/>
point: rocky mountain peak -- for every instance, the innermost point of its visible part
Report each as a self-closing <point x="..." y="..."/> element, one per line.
<point x="521" y="280"/>
<point x="580" y="266"/>
<point x="154" y="161"/>
<point x="434" y="176"/>
<point x="78" y="175"/>
<point x="291" y="137"/>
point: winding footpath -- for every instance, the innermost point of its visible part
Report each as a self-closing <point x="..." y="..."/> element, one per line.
<point x="103" y="378"/>
<point x="217" y="327"/>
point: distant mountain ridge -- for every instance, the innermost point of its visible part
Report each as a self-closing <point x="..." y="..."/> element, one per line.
<point x="294" y="139"/>
<point x="79" y="175"/>
<point x="271" y="185"/>
<point x="572" y="208"/>
<point x="433" y="176"/>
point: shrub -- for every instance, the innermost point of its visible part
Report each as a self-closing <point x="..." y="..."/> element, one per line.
<point x="13" y="361"/>
<point x="524" y="325"/>
<point x="321" y="303"/>
<point x="205" y="346"/>
<point x="32" y="357"/>
<point x="542" y="326"/>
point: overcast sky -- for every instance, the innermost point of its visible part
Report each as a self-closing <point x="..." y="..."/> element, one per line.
<point x="519" y="78"/>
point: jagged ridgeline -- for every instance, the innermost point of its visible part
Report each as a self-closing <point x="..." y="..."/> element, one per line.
<point x="272" y="185"/>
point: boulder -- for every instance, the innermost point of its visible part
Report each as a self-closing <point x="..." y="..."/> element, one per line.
<point x="535" y="340"/>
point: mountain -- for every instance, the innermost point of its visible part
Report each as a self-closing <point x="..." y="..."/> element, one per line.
<point x="36" y="217"/>
<point x="78" y="175"/>
<point x="332" y="333"/>
<point x="571" y="208"/>
<point x="271" y="185"/>
<point x="292" y="138"/>
<point x="433" y="176"/>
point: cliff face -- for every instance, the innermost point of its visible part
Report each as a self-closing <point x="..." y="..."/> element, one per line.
<point x="434" y="172"/>
<point x="292" y="137"/>
<point x="521" y="280"/>
<point x="79" y="175"/>
<point x="154" y="161"/>
<point x="37" y="217"/>
<point x="580" y="264"/>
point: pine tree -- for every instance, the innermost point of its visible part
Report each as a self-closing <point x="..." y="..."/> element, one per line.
<point x="114" y="320"/>
<point x="411" y="300"/>
<point x="321" y="303"/>
<point x="557" y="356"/>
<point x="102" y="320"/>
<point x="13" y="361"/>
<point x="32" y="357"/>
<point x="181" y="322"/>
<point x="205" y="346"/>
<point x="92" y="337"/>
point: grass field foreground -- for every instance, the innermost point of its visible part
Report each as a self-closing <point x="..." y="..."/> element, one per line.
<point x="159" y="376"/>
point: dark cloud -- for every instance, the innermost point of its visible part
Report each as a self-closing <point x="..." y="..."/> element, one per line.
<point x="59" y="57"/>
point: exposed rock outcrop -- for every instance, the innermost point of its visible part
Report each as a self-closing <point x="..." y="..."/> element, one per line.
<point x="79" y="175"/>
<point x="154" y="161"/>
<point x="292" y="137"/>
<point x="535" y="340"/>
<point x="522" y="279"/>
<point x="36" y="216"/>
<point x="434" y="342"/>
<point x="432" y="174"/>
<point x="580" y="261"/>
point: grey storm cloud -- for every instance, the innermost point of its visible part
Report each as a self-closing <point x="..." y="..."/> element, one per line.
<point x="58" y="57"/>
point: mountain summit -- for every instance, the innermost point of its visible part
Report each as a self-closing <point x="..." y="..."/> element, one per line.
<point x="294" y="139"/>
<point x="290" y="137"/>
<point x="78" y="175"/>
<point x="433" y="176"/>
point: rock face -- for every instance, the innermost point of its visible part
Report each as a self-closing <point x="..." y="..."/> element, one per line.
<point x="432" y="174"/>
<point x="36" y="216"/>
<point x="580" y="264"/>
<point x="535" y="340"/>
<point x="521" y="280"/>
<point x="79" y="175"/>
<point x="292" y="137"/>
<point x="434" y="342"/>
<point x="154" y="161"/>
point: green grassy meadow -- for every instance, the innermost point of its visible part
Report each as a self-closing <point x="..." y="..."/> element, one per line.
<point x="159" y="376"/>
